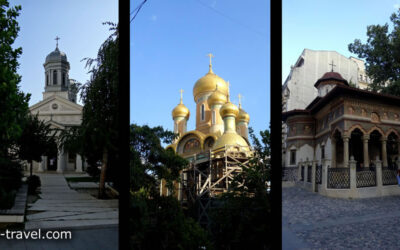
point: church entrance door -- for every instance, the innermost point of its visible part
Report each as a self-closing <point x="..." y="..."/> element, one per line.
<point x="52" y="162"/>
<point x="52" y="158"/>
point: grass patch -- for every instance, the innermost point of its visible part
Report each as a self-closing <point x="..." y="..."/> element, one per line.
<point x="82" y="179"/>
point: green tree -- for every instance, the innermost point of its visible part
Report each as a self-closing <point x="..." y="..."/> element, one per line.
<point x="37" y="139"/>
<point x="101" y="109"/>
<point x="13" y="102"/>
<point x="382" y="55"/>
<point x="158" y="222"/>
<point x="242" y="219"/>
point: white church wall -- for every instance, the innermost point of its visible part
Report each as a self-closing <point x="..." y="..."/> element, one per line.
<point x="311" y="66"/>
<point x="304" y="152"/>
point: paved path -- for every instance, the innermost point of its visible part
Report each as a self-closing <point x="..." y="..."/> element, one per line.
<point x="62" y="207"/>
<point x="82" y="239"/>
<point x="312" y="221"/>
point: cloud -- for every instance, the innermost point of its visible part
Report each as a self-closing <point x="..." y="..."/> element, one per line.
<point x="153" y="18"/>
<point x="396" y="6"/>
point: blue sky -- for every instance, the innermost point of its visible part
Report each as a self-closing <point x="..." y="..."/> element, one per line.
<point x="169" y="44"/>
<point x="328" y="25"/>
<point x="77" y="23"/>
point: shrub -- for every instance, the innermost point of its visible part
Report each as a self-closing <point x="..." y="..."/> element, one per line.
<point x="93" y="171"/>
<point x="33" y="183"/>
<point x="7" y="198"/>
<point x="10" y="175"/>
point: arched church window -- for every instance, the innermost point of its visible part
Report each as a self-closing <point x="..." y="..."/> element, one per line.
<point x="47" y="79"/>
<point x="55" y="77"/>
<point x="202" y="112"/>
<point x="63" y="79"/>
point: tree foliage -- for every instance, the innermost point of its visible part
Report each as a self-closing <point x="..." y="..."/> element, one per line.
<point x="37" y="139"/>
<point x="13" y="102"/>
<point x="99" y="128"/>
<point x="242" y="219"/>
<point x="150" y="162"/>
<point x="382" y="55"/>
<point x="158" y="222"/>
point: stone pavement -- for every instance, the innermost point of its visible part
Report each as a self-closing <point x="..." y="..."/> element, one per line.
<point x="312" y="221"/>
<point x="82" y="239"/>
<point x="61" y="207"/>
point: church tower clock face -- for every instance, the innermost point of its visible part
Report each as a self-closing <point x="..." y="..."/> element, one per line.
<point x="54" y="106"/>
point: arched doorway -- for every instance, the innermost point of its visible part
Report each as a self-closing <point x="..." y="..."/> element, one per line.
<point x="337" y="137"/>
<point x="375" y="146"/>
<point x="52" y="157"/>
<point x="356" y="146"/>
<point x="392" y="149"/>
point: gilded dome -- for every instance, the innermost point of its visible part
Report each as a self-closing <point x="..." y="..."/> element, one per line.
<point x="243" y="116"/>
<point x="231" y="139"/>
<point x="208" y="83"/>
<point x="180" y="110"/>
<point x="229" y="109"/>
<point x="216" y="98"/>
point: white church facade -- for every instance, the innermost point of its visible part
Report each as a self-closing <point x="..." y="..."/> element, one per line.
<point x="59" y="109"/>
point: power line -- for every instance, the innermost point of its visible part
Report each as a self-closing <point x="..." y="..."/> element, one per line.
<point x="138" y="9"/>
<point x="232" y="19"/>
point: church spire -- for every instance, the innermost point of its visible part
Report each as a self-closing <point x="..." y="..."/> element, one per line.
<point x="57" y="38"/>
<point x="210" y="66"/>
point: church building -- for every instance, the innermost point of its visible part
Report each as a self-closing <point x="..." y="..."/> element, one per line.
<point x="353" y="134"/>
<point x="221" y="131"/>
<point x="59" y="109"/>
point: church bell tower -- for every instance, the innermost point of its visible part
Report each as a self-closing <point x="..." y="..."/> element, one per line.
<point x="56" y="69"/>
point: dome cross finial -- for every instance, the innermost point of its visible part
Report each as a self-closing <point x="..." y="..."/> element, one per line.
<point x="240" y="103"/>
<point x="210" y="66"/>
<point x="57" y="38"/>
<point x="333" y="65"/>
<point x="181" y="95"/>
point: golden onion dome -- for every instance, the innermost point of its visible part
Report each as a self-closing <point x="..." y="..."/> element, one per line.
<point x="180" y="111"/>
<point x="208" y="83"/>
<point x="243" y="116"/>
<point x="229" y="109"/>
<point x="216" y="98"/>
<point x="231" y="139"/>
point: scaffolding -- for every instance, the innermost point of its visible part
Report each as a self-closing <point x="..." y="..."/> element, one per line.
<point x="210" y="174"/>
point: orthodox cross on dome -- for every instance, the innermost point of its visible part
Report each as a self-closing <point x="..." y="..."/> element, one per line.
<point x="210" y="56"/>
<point x="57" y="38"/>
<point x="240" y="97"/>
<point x="181" y="94"/>
<point x="333" y="65"/>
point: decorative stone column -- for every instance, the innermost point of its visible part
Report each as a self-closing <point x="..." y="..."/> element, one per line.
<point x="313" y="167"/>
<point x="60" y="160"/>
<point x="305" y="172"/>
<point x="324" y="181"/>
<point x="366" y="154"/>
<point x="345" y="151"/>
<point x="78" y="163"/>
<point x="333" y="151"/>
<point x="384" y="153"/>
<point x="43" y="164"/>
<point x="353" y="175"/>
<point x="299" y="173"/>
<point x="378" y="164"/>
